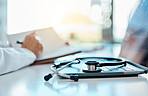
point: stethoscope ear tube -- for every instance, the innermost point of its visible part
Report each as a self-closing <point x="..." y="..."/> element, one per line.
<point x="72" y="77"/>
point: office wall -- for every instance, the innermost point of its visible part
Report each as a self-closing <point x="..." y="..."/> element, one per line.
<point x="3" y="21"/>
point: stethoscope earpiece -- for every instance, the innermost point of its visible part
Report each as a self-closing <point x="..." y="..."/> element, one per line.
<point x="74" y="77"/>
<point x="47" y="77"/>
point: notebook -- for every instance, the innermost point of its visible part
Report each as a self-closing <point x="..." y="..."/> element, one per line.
<point x="53" y="45"/>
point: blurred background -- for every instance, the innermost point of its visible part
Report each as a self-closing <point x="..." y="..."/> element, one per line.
<point x="76" y="21"/>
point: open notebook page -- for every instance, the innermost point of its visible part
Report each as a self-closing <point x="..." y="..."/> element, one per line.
<point x="53" y="45"/>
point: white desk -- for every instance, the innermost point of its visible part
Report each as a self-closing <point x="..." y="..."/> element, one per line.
<point x="29" y="82"/>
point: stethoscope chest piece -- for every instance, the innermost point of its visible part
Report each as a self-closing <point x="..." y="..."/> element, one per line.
<point x="91" y="66"/>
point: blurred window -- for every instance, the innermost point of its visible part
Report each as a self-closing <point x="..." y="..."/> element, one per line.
<point x="76" y="21"/>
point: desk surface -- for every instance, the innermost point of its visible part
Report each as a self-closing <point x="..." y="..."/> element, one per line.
<point x="29" y="81"/>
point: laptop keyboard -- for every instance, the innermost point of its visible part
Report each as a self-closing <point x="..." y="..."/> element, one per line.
<point x="119" y="68"/>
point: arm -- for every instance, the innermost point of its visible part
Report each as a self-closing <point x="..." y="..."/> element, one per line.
<point x="12" y="59"/>
<point x="15" y="58"/>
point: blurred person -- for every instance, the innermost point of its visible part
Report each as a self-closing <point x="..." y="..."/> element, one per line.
<point x="135" y="43"/>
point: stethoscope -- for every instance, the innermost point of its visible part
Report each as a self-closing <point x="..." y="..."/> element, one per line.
<point x="92" y="66"/>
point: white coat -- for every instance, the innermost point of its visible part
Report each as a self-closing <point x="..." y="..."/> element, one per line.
<point x="12" y="59"/>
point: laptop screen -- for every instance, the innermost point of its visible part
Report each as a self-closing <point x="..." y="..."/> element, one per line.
<point x="135" y="43"/>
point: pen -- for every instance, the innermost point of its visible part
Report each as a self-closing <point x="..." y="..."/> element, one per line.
<point x="19" y="42"/>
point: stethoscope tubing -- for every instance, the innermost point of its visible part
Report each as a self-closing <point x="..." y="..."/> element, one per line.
<point x="121" y="62"/>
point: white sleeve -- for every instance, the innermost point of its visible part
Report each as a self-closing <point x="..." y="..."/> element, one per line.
<point x="12" y="59"/>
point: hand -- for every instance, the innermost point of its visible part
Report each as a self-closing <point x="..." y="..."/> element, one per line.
<point x="32" y="44"/>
